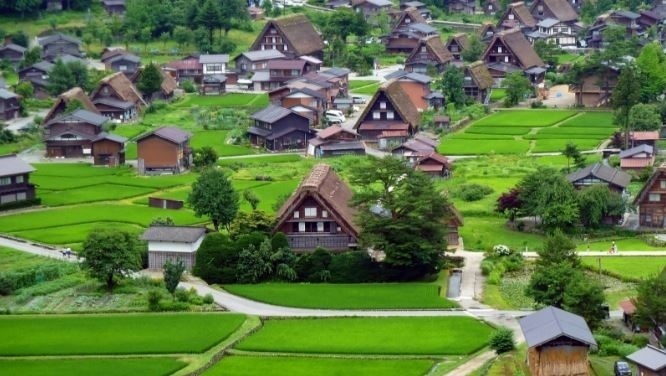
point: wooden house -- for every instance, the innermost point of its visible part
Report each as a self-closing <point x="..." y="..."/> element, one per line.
<point x="166" y="149"/>
<point x="252" y="61"/>
<point x="415" y="85"/>
<point x="491" y="7"/>
<point x="487" y="31"/>
<point x="560" y="10"/>
<point x="650" y="361"/>
<point x="277" y="128"/>
<point x="10" y="107"/>
<point x="517" y="15"/>
<point x="456" y="45"/>
<point x="406" y="17"/>
<point x="214" y="64"/>
<point x="599" y="173"/>
<point x="38" y="75"/>
<point x="390" y="117"/>
<point x="371" y="8"/>
<point x="72" y="95"/>
<point x="651" y="200"/>
<point x="15" y="183"/>
<point x="304" y="101"/>
<point x="334" y="141"/>
<point x="638" y="157"/>
<point x="407" y="38"/>
<point x="58" y="44"/>
<point x="556" y="32"/>
<point x="71" y="135"/>
<point x="441" y="121"/>
<point x="629" y="314"/>
<point x="116" y="98"/>
<point x="428" y="55"/>
<point x="595" y="89"/>
<point x="114" y="7"/>
<point x="167" y="87"/>
<point x="477" y="82"/>
<point x="188" y="68"/>
<point x="508" y="52"/>
<point x="433" y="164"/>
<point x="637" y="138"/>
<point x="125" y="63"/>
<point x="415" y="147"/>
<point x="175" y="243"/>
<point x="420" y="7"/>
<point x="108" y="149"/>
<point x="622" y="18"/>
<point x="213" y="84"/>
<point x="13" y="53"/>
<point x="462" y="6"/>
<point x="319" y="214"/>
<point x="278" y="72"/>
<point x="558" y="342"/>
<point x="293" y="35"/>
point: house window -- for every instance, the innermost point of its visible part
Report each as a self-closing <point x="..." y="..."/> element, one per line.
<point x="389" y="115"/>
<point x="407" y="20"/>
<point x="540" y="9"/>
<point x="297" y="214"/>
<point x="424" y="49"/>
<point x="310" y="212"/>
<point x="19" y="179"/>
<point x="662" y="184"/>
<point x="301" y="226"/>
<point x="122" y="68"/>
<point x="21" y="196"/>
<point x="382" y="105"/>
<point x="320" y="226"/>
<point x="272" y="31"/>
<point x="5" y="181"/>
<point x="654" y="197"/>
<point x="506" y="59"/>
<point x="375" y="115"/>
<point x="511" y="16"/>
<point x="295" y="72"/>
<point x="324" y="214"/>
<point x="284" y="47"/>
<point x="499" y="49"/>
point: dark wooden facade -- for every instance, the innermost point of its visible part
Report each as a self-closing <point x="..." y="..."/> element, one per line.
<point x="293" y="35"/>
<point x="108" y="150"/>
<point x="277" y="128"/>
<point x="9" y="105"/>
<point x="71" y="136"/>
<point x="12" y="53"/>
<point x="166" y="149"/>
<point x="58" y="44"/>
<point x="651" y="200"/>
<point x="561" y="356"/>
<point x="15" y="183"/>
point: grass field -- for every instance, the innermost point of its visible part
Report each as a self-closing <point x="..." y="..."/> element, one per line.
<point x="227" y="100"/>
<point x="91" y="366"/>
<point x="302" y="366"/>
<point x="365" y="87"/>
<point x="355" y="84"/>
<point x="217" y="139"/>
<point x="525" y="118"/>
<point x="454" y="146"/>
<point x="122" y="334"/>
<point x="395" y="335"/>
<point x="11" y="259"/>
<point x="483" y="232"/>
<point x="346" y="296"/>
<point x="628" y="266"/>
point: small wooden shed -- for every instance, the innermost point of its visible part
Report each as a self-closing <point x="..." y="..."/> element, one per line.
<point x="558" y="342"/>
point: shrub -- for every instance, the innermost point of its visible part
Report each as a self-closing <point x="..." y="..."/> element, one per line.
<point x="487" y="266"/>
<point x="188" y="86"/>
<point x="472" y="192"/>
<point x="502" y="341"/>
<point x="182" y="295"/>
<point x="501" y="250"/>
<point x="208" y="299"/>
<point x="154" y="300"/>
<point x="495" y="278"/>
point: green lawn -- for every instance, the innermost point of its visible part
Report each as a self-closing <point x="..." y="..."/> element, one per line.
<point x="497" y="94"/>
<point x="130" y="131"/>
<point x="263" y="159"/>
<point x="301" y="366"/>
<point x="217" y="139"/>
<point x="591" y="119"/>
<point x="626" y="244"/>
<point x="346" y="296"/>
<point x="574" y="132"/>
<point x="552" y="145"/>
<point x="511" y="131"/>
<point x="70" y="234"/>
<point x="91" y="366"/>
<point x="454" y="146"/>
<point x="395" y="335"/>
<point x="355" y="84"/>
<point x="483" y="232"/>
<point x="525" y="118"/>
<point x="11" y="259"/>
<point x="99" y="192"/>
<point x="366" y="90"/>
<point x="628" y="266"/>
<point x="226" y="100"/>
<point x="121" y="334"/>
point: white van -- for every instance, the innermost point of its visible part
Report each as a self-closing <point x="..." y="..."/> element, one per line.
<point x="333" y="115"/>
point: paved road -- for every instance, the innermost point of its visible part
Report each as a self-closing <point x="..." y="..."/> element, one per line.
<point x="16" y="125"/>
<point x="35" y="249"/>
<point x="606" y="254"/>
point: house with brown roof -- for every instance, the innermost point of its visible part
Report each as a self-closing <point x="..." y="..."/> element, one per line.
<point x="390" y="117"/>
<point x="560" y="10"/>
<point x="293" y="35"/>
<point x="126" y="63"/>
<point x="252" y="61"/>
<point x="10" y="107"/>
<point x="406" y="17"/>
<point x="651" y="200"/>
<point x="72" y="95"/>
<point x="406" y="38"/>
<point x="15" y="185"/>
<point x="638" y="157"/>
<point x="116" y="98"/>
<point x="435" y="165"/>
<point x="277" y="128"/>
<point x="13" y="53"/>
<point x="167" y="87"/>
<point x="108" y="149"/>
<point x="599" y="173"/>
<point x="166" y="149"/>
<point x="429" y="53"/>
<point x="304" y="101"/>
<point x="175" y="243"/>
<point x="509" y="51"/>
<point x="71" y="135"/>
<point x="517" y="15"/>
<point x="456" y="45"/>
<point x="420" y="7"/>
<point x="417" y="146"/>
<point x="277" y="73"/>
<point x="637" y="138"/>
<point x="462" y="6"/>
<point x="477" y="81"/>
<point x="371" y="8"/>
<point x="595" y="88"/>
<point x="650" y="361"/>
<point x="416" y="86"/>
<point x="38" y="75"/>
<point x="334" y="141"/>
<point x="58" y="44"/>
<point x="487" y="31"/>
<point x="318" y="213"/>
<point x="619" y="18"/>
<point x="557" y="22"/>
<point x="491" y="7"/>
<point x="187" y="68"/>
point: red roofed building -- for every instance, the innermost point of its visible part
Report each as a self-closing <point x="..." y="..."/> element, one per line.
<point x="643" y="138"/>
<point x="188" y="68"/>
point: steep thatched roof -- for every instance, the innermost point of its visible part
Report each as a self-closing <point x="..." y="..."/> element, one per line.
<point x="299" y="33"/>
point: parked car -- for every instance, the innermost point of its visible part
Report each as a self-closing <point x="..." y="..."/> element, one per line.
<point x="335" y="114"/>
<point x="621" y="368"/>
<point x="333" y="121"/>
<point x="358" y="100"/>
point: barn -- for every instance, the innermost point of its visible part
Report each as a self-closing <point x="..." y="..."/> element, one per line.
<point x="173" y="243"/>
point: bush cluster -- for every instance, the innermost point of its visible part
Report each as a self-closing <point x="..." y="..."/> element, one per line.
<point x="495" y="265"/>
<point x="182" y="300"/>
<point x="14" y="280"/>
<point x="472" y="192"/>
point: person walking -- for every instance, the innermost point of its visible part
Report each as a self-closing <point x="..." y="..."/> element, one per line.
<point x="614" y="248"/>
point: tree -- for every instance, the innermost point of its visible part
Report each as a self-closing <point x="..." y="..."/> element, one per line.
<point x="251" y="199"/>
<point x="150" y="81"/>
<point x="205" y="157"/>
<point x="625" y="95"/>
<point x="144" y="36"/>
<point x="210" y="18"/>
<point x="401" y="213"/>
<point x="27" y="6"/>
<point x="475" y="49"/>
<point x="32" y="56"/>
<point x="571" y="152"/>
<point x="549" y="195"/>
<point x="547" y="51"/>
<point x="110" y="254"/>
<point x="79" y="73"/>
<point x="548" y="285"/>
<point x="232" y="14"/>
<point x="254" y="264"/>
<point x="214" y="196"/>
<point x="345" y="22"/>
<point x="183" y="35"/>
<point x="558" y="248"/>
<point x="159" y="221"/>
<point x="252" y="222"/>
<point x="502" y="341"/>
<point x="451" y="86"/>
<point x="644" y="117"/>
<point x="598" y="202"/>
<point x="173" y="271"/>
<point x="651" y="65"/>
<point x="20" y="38"/>
<point x="585" y="297"/>
<point x="650" y="301"/>
<point x="509" y="203"/>
<point x="25" y="89"/>
<point x="517" y="87"/>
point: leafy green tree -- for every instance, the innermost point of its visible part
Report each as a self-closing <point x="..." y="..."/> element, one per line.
<point x="25" y="89"/>
<point x="585" y="297"/>
<point x="252" y="222"/>
<point x="517" y="87"/>
<point x="60" y="79"/>
<point x="214" y="196"/>
<point x="625" y="95"/>
<point x="32" y="56"/>
<point x="645" y="117"/>
<point x="451" y="86"/>
<point x="651" y="64"/>
<point x="183" y="35"/>
<point x="401" y="213"/>
<point x="345" y="22"/>
<point x="144" y="36"/>
<point x="173" y="271"/>
<point x="548" y="285"/>
<point x="27" y="6"/>
<point x="650" y="301"/>
<point x="210" y="18"/>
<point x="80" y="76"/>
<point x="597" y="202"/>
<point x="216" y="259"/>
<point x="21" y="38"/>
<point x="205" y="157"/>
<point x="233" y="14"/>
<point x="549" y="195"/>
<point x="558" y="248"/>
<point x="254" y="264"/>
<point x="162" y="221"/>
<point x="475" y="49"/>
<point x="547" y="51"/>
<point x="150" y="81"/>
<point x="502" y="341"/>
<point x="110" y="254"/>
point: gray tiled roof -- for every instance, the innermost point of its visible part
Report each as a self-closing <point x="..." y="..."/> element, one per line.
<point x="13" y="47"/>
<point x="173" y="234"/>
<point x="336" y="71"/>
<point x="90" y="117"/>
<point x="44" y="66"/>
<point x="114" y="103"/>
<point x="423" y="28"/>
<point x="343" y="145"/>
<point x="271" y="113"/>
<point x="548" y="22"/>
<point x="6" y="94"/>
<point x="129" y="57"/>
<point x="13" y="165"/>
<point x="58" y="36"/>
<point x="649" y="357"/>
<point x="602" y="172"/>
<point x="172" y="134"/>
<point x="642" y="148"/>
<point x="261" y="76"/>
<point x="550" y="323"/>
<point x="110" y="136"/>
<point x="263" y="55"/>
<point x="211" y="59"/>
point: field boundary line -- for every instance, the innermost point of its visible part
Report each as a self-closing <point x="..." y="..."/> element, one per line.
<point x="95" y="356"/>
<point x="280" y="354"/>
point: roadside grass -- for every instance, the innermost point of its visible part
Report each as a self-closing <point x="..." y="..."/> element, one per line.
<point x="12" y="260"/>
<point x="217" y="139"/>
<point x="394" y="335"/>
<point x="628" y="266"/>
<point x="509" y="294"/>
<point x="91" y="366"/>
<point x="122" y="334"/>
<point x="485" y="205"/>
<point x="525" y="118"/>
<point x="603" y="365"/>
<point x="511" y="363"/>
<point x="130" y="131"/>
<point x="355" y="84"/>
<point x="302" y="366"/>
<point x="260" y="159"/>
<point x="346" y="296"/>
<point x="497" y="94"/>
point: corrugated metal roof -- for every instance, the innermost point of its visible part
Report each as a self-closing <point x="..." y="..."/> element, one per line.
<point x="173" y="234"/>
<point x="6" y="94"/>
<point x="643" y="148"/>
<point x="13" y="165"/>
<point x="550" y="323"/>
<point x="271" y="114"/>
<point x="263" y="55"/>
<point x="601" y="172"/>
<point x="212" y="59"/>
<point x="649" y="357"/>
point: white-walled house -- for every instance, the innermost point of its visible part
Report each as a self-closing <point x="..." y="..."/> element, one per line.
<point x="173" y="243"/>
<point x="555" y="31"/>
<point x="214" y="64"/>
